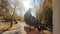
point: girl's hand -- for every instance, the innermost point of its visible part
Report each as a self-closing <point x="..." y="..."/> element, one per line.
<point x="34" y="31"/>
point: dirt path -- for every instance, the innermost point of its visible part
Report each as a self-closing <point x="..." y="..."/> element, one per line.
<point x="21" y="30"/>
<point x="17" y="31"/>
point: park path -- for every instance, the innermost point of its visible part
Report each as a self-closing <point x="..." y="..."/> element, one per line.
<point x="17" y="31"/>
<point x="21" y="30"/>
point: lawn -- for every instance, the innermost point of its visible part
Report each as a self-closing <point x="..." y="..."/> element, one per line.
<point x="5" y="25"/>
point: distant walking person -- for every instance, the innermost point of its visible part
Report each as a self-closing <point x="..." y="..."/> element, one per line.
<point x="17" y="21"/>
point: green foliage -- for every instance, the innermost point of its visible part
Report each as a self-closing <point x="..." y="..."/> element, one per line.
<point x="45" y="14"/>
<point x="1" y="17"/>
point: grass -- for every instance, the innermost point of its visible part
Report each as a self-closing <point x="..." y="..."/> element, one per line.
<point x="5" y="25"/>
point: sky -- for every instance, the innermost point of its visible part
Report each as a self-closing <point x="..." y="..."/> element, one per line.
<point x="28" y="4"/>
